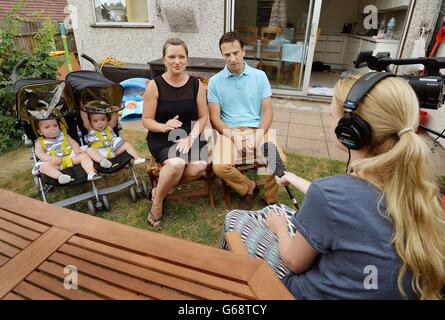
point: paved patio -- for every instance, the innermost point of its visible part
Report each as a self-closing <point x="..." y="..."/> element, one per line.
<point x="305" y="127"/>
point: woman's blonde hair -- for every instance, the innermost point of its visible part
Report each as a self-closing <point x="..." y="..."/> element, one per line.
<point x="401" y="167"/>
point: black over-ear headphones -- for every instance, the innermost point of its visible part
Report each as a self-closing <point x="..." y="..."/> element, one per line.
<point x="352" y="131"/>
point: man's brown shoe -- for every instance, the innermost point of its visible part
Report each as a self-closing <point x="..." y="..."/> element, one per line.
<point x="248" y="200"/>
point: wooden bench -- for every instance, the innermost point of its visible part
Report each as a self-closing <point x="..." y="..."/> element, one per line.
<point x="206" y="189"/>
<point x="39" y="241"/>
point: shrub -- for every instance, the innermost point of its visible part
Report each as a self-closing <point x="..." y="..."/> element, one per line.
<point x="40" y="65"/>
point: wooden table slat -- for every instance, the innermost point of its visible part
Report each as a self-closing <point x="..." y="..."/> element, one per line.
<point x="100" y="287"/>
<point x="212" y="281"/>
<point x="235" y="243"/>
<point x="262" y="282"/>
<point x="13" y="296"/>
<point x="18" y="268"/>
<point x="3" y="260"/>
<point x="152" y="276"/>
<point x="14" y="240"/>
<point x="24" y="222"/>
<point x="33" y="292"/>
<point x="56" y="286"/>
<point x="124" y="281"/>
<point x="18" y="230"/>
<point x="191" y="255"/>
<point x="8" y="250"/>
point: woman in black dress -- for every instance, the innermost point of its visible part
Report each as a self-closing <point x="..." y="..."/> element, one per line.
<point x="175" y="113"/>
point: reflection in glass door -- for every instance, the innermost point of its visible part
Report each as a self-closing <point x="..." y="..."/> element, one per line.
<point x="280" y="35"/>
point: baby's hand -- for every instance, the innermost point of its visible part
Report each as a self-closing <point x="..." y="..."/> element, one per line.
<point x="82" y="149"/>
<point x="56" y="160"/>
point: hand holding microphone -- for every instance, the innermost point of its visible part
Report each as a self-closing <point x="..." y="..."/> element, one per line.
<point x="276" y="165"/>
<point x="282" y="181"/>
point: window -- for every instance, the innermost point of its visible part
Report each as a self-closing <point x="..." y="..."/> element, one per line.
<point x="120" y="12"/>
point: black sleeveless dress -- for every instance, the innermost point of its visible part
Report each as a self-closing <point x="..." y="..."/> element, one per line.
<point x="174" y="101"/>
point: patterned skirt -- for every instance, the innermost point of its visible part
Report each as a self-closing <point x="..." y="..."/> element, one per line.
<point x="257" y="238"/>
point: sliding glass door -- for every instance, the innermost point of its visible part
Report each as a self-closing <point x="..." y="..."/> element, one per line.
<point x="281" y="36"/>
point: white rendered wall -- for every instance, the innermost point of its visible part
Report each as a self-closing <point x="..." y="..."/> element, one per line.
<point x="140" y="45"/>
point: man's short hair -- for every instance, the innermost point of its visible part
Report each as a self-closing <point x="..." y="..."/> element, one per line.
<point x="230" y="37"/>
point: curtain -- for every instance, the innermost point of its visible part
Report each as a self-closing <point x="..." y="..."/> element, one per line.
<point x="278" y="17"/>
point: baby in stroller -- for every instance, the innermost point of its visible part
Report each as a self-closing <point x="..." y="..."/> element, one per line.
<point x="103" y="142"/>
<point x="56" y="151"/>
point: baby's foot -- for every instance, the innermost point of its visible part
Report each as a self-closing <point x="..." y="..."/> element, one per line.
<point x="105" y="163"/>
<point x="139" y="161"/>
<point x="64" y="179"/>
<point x="93" y="176"/>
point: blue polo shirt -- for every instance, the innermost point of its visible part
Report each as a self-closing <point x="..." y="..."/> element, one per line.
<point x="239" y="97"/>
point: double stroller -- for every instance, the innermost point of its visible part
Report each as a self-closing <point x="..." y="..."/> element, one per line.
<point x="42" y="99"/>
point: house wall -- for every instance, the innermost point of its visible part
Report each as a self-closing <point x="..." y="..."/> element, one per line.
<point x="140" y="45"/>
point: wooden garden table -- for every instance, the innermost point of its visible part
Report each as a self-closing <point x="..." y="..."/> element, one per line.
<point x="115" y="261"/>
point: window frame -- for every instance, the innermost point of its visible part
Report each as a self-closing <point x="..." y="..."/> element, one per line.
<point x="121" y="24"/>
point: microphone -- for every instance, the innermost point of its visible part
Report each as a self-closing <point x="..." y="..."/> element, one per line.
<point x="272" y="155"/>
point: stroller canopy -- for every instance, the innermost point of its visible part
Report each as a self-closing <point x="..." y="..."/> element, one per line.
<point x="94" y="93"/>
<point x="39" y="99"/>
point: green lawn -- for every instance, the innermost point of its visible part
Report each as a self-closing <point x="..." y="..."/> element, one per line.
<point x="192" y="219"/>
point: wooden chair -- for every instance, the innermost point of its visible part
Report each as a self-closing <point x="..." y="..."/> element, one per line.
<point x="207" y="178"/>
<point x="270" y="56"/>
<point x="250" y="37"/>
<point x="270" y="33"/>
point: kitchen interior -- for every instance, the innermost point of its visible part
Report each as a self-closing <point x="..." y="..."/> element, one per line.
<point x="341" y="36"/>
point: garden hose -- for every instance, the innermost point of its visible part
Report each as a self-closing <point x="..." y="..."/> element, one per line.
<point x="112" y="61"/>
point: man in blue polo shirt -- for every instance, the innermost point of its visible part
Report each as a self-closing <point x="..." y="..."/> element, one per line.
<point x="240" y="103"/>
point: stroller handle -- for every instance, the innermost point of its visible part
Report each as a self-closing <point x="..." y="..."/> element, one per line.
<point x="16" y="69"/>
<point x="91" y="60"/>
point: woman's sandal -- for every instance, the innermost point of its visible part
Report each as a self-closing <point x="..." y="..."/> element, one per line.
<point x="151" y="219"/>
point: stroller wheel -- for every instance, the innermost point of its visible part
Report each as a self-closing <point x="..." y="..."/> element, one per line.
<point x="133" y="194"/>
<point x="107" y="205"/>
<point x="91" y="207"/>
<point x="144" y="188"/>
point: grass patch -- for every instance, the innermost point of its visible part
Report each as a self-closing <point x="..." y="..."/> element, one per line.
<point x="192" y="219"/>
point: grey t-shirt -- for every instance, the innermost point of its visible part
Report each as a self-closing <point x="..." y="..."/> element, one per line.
<point x="340" y="219"/>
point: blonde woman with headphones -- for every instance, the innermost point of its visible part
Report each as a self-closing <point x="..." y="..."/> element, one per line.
<point x="377" y="232"/>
